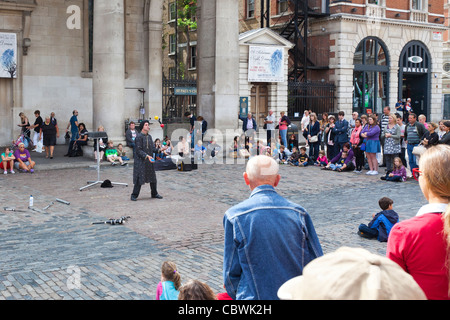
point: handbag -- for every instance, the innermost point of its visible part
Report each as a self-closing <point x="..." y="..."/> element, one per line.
<point x="419" y="150"/>
<point x="314" y="139"/>
<point x="363" y="146"/>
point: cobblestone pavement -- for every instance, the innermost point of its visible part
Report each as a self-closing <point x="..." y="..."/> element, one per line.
<point x="58" y="253"/>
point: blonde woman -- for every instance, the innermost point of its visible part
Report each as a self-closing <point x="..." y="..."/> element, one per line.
<point x="420" y="245"/>
<point x="313" y="130"/>
<point x="24" y="123"/>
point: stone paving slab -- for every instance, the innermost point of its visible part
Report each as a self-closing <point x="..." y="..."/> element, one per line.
<point x="59" y="254"/>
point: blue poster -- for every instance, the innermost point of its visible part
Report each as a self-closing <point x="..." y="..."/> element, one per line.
<point x="8" y="55"/>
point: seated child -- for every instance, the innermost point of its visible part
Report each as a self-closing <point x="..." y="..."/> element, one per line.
<point x="196" y="290"/>
<point x="282" y="155"/>
<point x="322" y="160"/>
<point x="158" y="154"/>
<point x="111" y="154"/>
<point x="199" y="150"/>
<point x="166" y="148"/>
<point x="303" y="160"/>
<point x="168" y="288"/>
<point x="294" y="158"/>
<point x="7" y="161"/>
<point x="121" y="152"/>
<point x="382" y="222"/>
<point x="341" y="162"/>
<point x="398" y="173"/>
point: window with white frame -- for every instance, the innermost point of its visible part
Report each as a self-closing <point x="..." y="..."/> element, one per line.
<point x="193" y="62"/>
<point x="250" y="8"/>
<point x="172" y="43"/>
<point x="419" y="5"/>
<point x="172" y="11"/>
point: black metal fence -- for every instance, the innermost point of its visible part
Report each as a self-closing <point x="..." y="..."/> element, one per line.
<point x="316" y="96"/>
<point x="179" y="96"/>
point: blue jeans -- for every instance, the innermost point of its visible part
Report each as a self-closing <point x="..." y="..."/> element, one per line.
<point x="283" y="134"/>
<point x="411" y="157"/>
<point x="335" y="166"/>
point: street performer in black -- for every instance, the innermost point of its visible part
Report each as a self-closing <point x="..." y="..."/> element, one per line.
<point x="144" y="171"/>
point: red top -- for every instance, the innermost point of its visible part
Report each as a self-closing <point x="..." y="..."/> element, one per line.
<point x="418" y="245"/>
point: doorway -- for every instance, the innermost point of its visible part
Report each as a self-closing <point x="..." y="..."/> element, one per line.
<point x="415" y="87"/>
<point x="259" y="102"/>
<point x="415" y="77"/>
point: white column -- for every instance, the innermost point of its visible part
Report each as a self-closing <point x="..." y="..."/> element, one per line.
<point x="109" y="68"/>
<point x="155" y="56"/>
<point x="218" y="76"/>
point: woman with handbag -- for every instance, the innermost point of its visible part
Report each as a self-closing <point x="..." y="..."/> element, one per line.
<point x="392" y="147"/>
<point x="313" y="130"/>
<point x="329" y="137"/>
<point x="371" y="134"/>
<point x="356" y="141"/>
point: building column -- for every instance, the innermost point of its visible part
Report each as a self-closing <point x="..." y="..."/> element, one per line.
<point x="154" y="25"/>
<point x="218" y="67"/>
<point x="109" y="68"/>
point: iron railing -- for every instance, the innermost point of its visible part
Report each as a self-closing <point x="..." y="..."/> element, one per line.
<point x="316" y="96"/>
<point x="179" y="96"/>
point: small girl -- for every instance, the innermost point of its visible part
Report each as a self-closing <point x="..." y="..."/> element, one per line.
<point x="7" y="161"/>
<point x="321" y="159"/>
<point x="398" y="173"/>
<point x="168" y="288"/>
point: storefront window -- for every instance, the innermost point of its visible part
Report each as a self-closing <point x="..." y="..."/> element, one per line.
<point x="370" y="77"/>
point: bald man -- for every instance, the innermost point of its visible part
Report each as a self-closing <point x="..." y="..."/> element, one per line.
<point x="268" y="239"/>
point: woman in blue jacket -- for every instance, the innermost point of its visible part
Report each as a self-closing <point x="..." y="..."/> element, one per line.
<point x="313" y="130"/>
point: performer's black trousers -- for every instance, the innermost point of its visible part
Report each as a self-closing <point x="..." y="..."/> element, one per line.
<point x="137" y="189"/>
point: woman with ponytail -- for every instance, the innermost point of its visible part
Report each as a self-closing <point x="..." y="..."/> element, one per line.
<point x="421" y="245"/>
<point x="169" y="287"/>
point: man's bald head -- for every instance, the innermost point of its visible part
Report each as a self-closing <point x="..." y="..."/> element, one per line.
<point x="261" y="170"/>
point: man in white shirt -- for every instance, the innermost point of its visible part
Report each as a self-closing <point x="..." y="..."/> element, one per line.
<point x="270" y="126"/>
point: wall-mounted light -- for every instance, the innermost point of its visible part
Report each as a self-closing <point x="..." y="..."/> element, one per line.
<point x="436" y="20"/>
<point x="353" y="10"/>
<point x="26" y="43"/>
<point x="323" y="29"/>
<point x="397" y="15"/>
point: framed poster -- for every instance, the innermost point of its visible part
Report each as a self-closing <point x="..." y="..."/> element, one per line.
<point x="8" y="55"/>
<point x="266" y="64"/>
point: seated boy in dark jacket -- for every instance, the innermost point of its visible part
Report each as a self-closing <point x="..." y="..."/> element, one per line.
<point x="382" y="222"/>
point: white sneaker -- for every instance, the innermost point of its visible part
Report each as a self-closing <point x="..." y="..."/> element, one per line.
<point x="5" y="172"/>
<point x="374" y="173"/>
<point x="12" y="171"/>
<point x="369" y="172"/>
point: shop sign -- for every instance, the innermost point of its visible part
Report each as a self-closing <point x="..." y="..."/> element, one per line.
<point x="415" y="70"/>
<point x="415" y="59"/>
<point x="185" y="91"/>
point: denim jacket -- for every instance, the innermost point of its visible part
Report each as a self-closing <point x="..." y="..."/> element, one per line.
<point x="268" y="240"/>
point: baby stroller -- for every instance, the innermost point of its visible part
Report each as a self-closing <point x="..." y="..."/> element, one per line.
<point x="25" y="139"/>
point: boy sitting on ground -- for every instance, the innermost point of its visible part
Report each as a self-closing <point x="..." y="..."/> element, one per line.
<point x="112" y="155"/>
<point x="382" y="222"/>
<point x="303" y="160"/>
<point x="294" y="158"/>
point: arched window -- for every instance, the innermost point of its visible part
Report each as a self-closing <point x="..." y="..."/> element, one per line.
<point x="370" y="76"/>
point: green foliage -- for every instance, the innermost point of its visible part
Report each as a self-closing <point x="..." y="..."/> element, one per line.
<point x="186" y="14"/>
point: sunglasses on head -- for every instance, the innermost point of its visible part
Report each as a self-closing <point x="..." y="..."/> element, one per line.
<point x="416" y="173"/>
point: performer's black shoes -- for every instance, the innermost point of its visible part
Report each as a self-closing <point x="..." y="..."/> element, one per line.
<point x="133" y="198"/>
<point x="157" y="196"/>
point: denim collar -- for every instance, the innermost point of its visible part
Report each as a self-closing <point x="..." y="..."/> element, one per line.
<point x="262" y="188"/>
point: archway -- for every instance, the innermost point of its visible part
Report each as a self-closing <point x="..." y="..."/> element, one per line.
<point x="415" y="76"/>
<point x="370" y="76"/>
